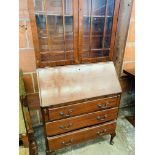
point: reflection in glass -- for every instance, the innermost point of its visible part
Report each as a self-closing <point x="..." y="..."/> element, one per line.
<point x="107" y="40"/>
<point x="68" y="7"/>
<point x="99" y="53"/>
<point x="86" y="31"/>
<point x="97" y="32"/>
<point x="55" y="26"/>
<point x="54" y="7"/>
<point x="42" y="33"/>
<point x="38" y="5"/>
<point x="69" y="32"/>
<point x="99" y="7"/>
<point x="86" y="7"/>
<point x="110" y="7"/>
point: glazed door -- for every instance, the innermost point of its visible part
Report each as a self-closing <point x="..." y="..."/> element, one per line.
<point x="57" y="30"/>
<point x="97" y="27"/>
<point x="73" y="31"/>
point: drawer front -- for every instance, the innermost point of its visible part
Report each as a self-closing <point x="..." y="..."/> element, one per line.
<point x="72" y="123"/>
<point x="81" y="108"/>
<point x="75" y="137"/>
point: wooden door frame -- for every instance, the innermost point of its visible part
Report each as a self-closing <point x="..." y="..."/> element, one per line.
<point x="39" y="63"/>
<point x="113" y="34"/>
<point x="34" y="32"/>
<point x="77" y="33"/>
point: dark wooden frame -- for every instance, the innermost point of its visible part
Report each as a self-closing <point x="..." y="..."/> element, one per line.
<point x="114" y="28"/>
<point x="28" y="138"/>
<point x="77" y="33"/>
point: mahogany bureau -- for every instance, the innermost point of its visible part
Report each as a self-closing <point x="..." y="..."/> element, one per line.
<point x="78" y="103"/>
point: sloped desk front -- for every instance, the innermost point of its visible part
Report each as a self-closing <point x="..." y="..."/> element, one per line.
<point x="78" y="102"/>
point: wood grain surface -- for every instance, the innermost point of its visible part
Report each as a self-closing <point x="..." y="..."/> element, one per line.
<point x="77" y="122"/>
<point x="81" y="108"/>
<point x="76" y="82"/>
<point x="82" y="135"/>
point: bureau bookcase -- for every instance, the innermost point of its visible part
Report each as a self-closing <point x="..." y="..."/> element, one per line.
<point x="78" y="86"/>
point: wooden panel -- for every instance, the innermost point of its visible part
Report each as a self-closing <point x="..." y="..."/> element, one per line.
<point x="82" y="135"/>
<point x="69" y="124"/>
<point x="24" y="140"/>
<point x="94" y="60"/>
<point x="34" y="32"/>
<point x="73" y="83"/>
<point x="81" y="108"/>
<point x="33" y="101"/>
<point x="75" y="28"/>
<point x="114" y="27"/>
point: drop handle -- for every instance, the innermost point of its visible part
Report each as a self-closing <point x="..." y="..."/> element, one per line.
<point x="61" y="113"/>
<point x="100" y="133"/>
<point x="102" y="105"/>
<point x="65" y="127"/>
<point x="67" y="143"/>
<point x="101" y="118"/>
<point x="66" y="115"/>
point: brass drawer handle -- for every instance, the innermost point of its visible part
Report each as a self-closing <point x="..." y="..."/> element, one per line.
<point x="61" y="113"/>
<point x="66" y="115"/>
<point x="103" y="105"/>
<point x="66" y="127"/>
<point x="67" y="143"/>
<point x="100" y="133"/>
<point x="101" y="118"/>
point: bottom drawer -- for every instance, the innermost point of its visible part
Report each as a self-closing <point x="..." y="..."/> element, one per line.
<point x="75" y="137"/>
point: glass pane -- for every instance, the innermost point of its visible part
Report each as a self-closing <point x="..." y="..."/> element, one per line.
<point x="86" y="24"/>
<point x="110" y="7"/>
<point x="99" y="7"/>
<point x="86" y="33"/>
<point x="107" y="40"/>
<point x="54" y="7"/>
<point x="99" y="53"/>
<point x="38" y="5"/>
<point x="41" y="21"/>
<point x="69" y="32"/>
<point x="86" y="7"/>
<point x="68" y="7"/>
<point x="97" y="32"/>
<point x="43" y="42"/>
<point x="42" y="34"/>
<point x="55" y="25"/>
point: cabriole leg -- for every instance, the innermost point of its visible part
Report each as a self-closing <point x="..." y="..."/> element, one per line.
<point x="112" y="137"/>
<point x="50" y="153"/>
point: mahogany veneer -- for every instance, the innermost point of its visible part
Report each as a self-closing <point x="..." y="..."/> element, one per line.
<point x="78" y="103"/>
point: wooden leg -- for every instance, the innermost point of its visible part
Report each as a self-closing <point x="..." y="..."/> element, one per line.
<point x="50" y="153"/>
<point x="24" y="140"/>
<point x="34" y="148"/>
<point x="32" y="143"/>
<point x="112" y="137"/>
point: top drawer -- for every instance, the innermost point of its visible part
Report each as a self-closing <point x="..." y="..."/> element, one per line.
<point x="81" y="108"/>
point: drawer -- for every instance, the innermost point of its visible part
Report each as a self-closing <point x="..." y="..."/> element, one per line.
<point x="72" y="123"/>
<point x="81" y="108"/>
<point x="75" y="137"/>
